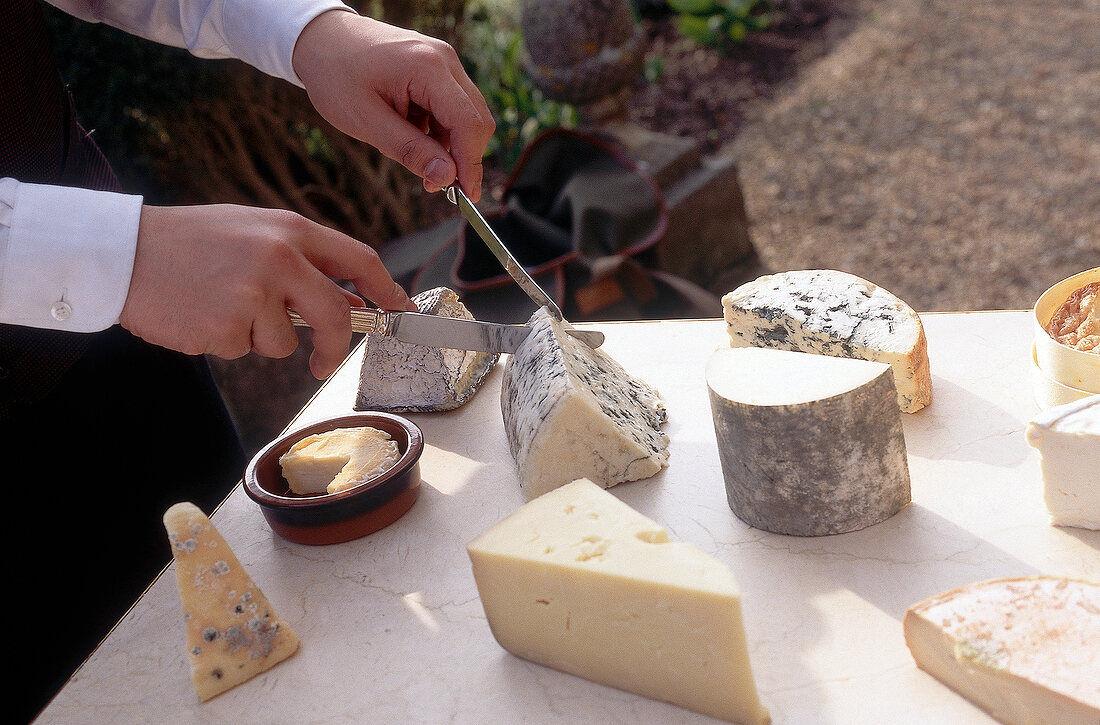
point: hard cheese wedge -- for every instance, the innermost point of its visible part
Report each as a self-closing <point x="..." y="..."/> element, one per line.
<point x="1026" y="650"/>
<point x="232" y="632"/>
<point x="579" y="581"/>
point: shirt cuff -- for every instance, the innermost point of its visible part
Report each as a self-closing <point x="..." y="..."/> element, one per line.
<point x="68" y="255"/>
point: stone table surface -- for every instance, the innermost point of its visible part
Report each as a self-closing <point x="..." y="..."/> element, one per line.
<point x="392" y="628"/>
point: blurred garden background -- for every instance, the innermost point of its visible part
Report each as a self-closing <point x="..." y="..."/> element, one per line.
<point x="948" y="152"/>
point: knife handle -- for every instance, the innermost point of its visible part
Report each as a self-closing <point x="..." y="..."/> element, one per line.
<point x="363" y="320"/>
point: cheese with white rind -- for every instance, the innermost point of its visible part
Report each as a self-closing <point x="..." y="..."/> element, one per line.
<point x="1068" y="440"/>
<point x="1025" y="650"/>
<point x="339" y="459"/>
<point x="809" y="445"/>
<point x="403" y="377"/>
<point x="233" y="634"/>
<point x="571" y="411"/>
<point x="578" y="581"/>
<point x="833" y="313"/>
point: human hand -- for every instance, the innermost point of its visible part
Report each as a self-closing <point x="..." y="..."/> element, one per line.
<point x="218" y="279"/>
<point x="404" y="93"/>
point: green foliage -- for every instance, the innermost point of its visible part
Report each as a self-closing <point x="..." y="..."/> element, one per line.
<point x="720" y="22"/>
<point x="493" y="56"/>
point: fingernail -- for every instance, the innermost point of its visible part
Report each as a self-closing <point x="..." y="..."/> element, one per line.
<point x="438" y="173"/>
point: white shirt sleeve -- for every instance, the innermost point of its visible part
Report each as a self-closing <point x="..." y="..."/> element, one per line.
<point x="66" y="255"/>
<point x="262" y="33"/>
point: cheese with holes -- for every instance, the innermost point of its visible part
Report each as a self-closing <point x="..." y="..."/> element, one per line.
<point x="809" y="445"/>
<point x="1025" y="650"/>
<point x="578" y="581"/>
<point x="233" y="634"/>
<point x="404" y="377"/>
<point x="337" y="460"/>
<point x="1068" y="440"/>
<point x="571" y="412"/>
<point x="833" y="313"/>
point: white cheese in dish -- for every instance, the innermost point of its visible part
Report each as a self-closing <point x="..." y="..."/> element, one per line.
<point x="1026" y="650"/>
<point x="578" y="581"/>
<point x="1068" y="440"/>
<point x="810" y="445"/>
<point x="402" y="377"/>
<point x="571" y="411"/>
<point x="233" y="634"/>
<point x="833" y="313"/>
<point x="337" y="460"/>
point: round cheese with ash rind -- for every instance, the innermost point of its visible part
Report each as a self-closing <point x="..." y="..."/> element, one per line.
<point x="809" y="445"/>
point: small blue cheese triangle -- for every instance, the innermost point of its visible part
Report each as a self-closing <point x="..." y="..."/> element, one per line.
<point x="579" y="581"/>
<point x="233" y="634"/>
<point x="827" y="312"/>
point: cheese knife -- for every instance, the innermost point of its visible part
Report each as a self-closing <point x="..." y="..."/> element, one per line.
<point x="446" y="332"/>
<point x="456" y="196"/>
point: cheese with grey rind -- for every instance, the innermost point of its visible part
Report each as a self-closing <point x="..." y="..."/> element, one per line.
<point x="1068" y="440"/>
<point x="233" y="634"/>
<point x="833" y="313"/>
<point x="571" y="411"/>
<point x="809" y="445"/>
<point x="1025" y="650"/>
<point x="578" y="581"/>
<point x="403" y="377"/>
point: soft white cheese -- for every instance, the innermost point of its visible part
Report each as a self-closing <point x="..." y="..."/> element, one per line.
<point x="1068" y="440"/>
<point x="337" y="460"/>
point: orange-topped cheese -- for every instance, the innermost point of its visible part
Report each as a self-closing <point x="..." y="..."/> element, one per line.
<point x="1076" y="322"/>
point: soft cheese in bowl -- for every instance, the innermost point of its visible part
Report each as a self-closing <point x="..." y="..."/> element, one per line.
<point x="1067" y="334"/>
<point x="334" y="480"/>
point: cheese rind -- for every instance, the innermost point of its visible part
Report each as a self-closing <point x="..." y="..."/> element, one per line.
<point x="1068" y="440"/>
<point x="809" y="445"/>
<point x="403" y="377"/>
<point x="339" y="459"/>
<point x="233" y="634"/>
<point x="1026" y="650"/>
<point x="578" y="581"/>
<point x="571" y="412"/>
<point x="833" y="313"/>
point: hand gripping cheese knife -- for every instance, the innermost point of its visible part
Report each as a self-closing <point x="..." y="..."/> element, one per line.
<point x="446" y="332"/>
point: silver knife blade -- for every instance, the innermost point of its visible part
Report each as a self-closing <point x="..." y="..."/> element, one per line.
<point x="456" y="196"/>
<point x="447" y="332"/>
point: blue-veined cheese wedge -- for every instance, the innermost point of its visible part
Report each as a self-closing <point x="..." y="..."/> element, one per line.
<point x="1025" y="650"/>
<point x="578" y="581"/>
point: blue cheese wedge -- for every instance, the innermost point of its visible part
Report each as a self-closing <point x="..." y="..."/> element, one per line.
<point x="827" y="312"/>
<point x="403" y="377"/>
<point x="578" y="581"/>
<point x="572" y="412"/>
<point x="1025" y="650"/>
<point x="337" y="460"/>
<point x="233" y="634"/>
<point x="1068" y="440"/>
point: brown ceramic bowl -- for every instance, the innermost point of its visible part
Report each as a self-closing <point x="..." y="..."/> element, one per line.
<point x="331" y="518"/>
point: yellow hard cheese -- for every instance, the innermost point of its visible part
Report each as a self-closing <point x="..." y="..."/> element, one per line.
<point x="579" y="581"/>
<point x="232" y="632"/>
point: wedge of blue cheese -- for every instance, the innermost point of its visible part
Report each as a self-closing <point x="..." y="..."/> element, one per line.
<point x="578" y="581"/>
<point x="1025" y="650"/>
<point x="828" y="312"/>
<point x="402" y="377"/>
<point x="233" y="634"/>
<point x="571" y="411"/>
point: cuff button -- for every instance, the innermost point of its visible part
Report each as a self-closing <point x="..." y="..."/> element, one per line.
<point x="61" y="311"/>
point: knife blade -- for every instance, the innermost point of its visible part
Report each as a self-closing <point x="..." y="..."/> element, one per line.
<point x="447" y="332"/>
<point x="456" y="196"/>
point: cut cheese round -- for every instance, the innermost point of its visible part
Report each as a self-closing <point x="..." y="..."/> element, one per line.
<point x="337" y="460"/>
<point x="1026" y="650"/>
<point x="402" y="377"/>
<point x="572" y="412"/>
<point x="809" y="445"/>
<point x="837" y="314"/>
<point x="579" y="581"/>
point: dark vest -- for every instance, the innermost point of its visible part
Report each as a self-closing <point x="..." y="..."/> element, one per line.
<point x="41" y="142"/>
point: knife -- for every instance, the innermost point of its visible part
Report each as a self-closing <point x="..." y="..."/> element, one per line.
<point x="446" y="332"/>
<point x="456" y="196"/>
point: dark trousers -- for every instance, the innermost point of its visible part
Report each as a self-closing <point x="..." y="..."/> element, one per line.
<point x="89" y="472"/>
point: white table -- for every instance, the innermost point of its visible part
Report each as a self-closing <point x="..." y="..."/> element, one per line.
<point x="392" y="629"/>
